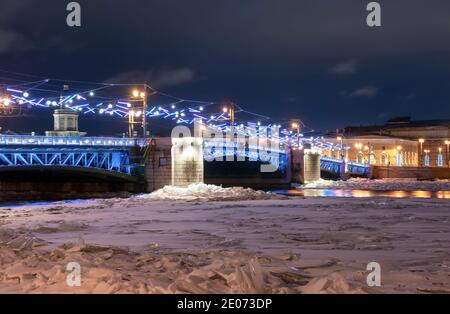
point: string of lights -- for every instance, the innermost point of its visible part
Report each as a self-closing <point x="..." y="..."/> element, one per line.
<point x="99" y="98"/>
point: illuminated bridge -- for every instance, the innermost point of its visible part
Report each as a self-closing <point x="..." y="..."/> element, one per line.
<point x="339" y="167"/>
<point x="123" y="158"/>
<point x="97" y="153"/>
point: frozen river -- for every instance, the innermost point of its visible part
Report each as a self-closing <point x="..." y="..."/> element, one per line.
<point x="205" y="239"/>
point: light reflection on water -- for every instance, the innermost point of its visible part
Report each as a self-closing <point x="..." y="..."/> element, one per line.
<point x="364" y="193"/>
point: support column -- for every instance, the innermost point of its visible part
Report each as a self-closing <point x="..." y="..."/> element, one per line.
<point x="311" y="166"/>
<point x="187" y="161"/>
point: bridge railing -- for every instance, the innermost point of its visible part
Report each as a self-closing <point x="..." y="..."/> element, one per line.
<point x="29" y="140"/>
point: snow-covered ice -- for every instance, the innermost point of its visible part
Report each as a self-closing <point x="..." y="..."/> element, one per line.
<point x="207" y="192"/>
<point x="175" y="241"/>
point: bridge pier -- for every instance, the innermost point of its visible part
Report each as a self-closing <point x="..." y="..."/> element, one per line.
<point x="305" y="166"/>
<point x="177" y="162"/>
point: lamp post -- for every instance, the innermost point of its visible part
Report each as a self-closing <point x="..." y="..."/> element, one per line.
<point x="143" y="96"/>
<point x="421" y="141"/>
<point x="231" y="112"/>
<point x="427" y="151"/>
<point x="341" y="141"/>
<point x="447" y="142"/>
<point x="296" y="126"/>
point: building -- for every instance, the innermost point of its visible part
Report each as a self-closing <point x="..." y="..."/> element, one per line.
<point x="400" y="141"/>
<point x="376" y="150"/>
<point x="65" y="124"/>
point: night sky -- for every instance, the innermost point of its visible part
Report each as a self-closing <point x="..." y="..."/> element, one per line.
<point x="316" y="60"/>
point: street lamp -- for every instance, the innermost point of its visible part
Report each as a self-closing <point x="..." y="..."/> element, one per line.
<point x="340" y="139"/>
<point x="421" y="141"/>
<point x="231" y="112"/>
<point x="296" y="126"/>
<point x="427" y="151"/>
<point x="141" y="94"/>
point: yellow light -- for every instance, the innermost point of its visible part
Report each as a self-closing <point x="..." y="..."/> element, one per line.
<point x="447" y="142"/>
<point x="142" y="94"/>
<point x="399" y="148"/>
<point x="421" y="140"/>
<point x="225" y="109"/>
<point x="295" y="125"/>
<point x="6" y="101"/>
<point x="440" y="149"/>
<point x="339" y="138"/>
<point x="136" y="93"/>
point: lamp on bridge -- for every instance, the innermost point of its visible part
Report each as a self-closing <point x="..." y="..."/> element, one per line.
<point x="296" y="126"/>
<point x="140" y="95"/>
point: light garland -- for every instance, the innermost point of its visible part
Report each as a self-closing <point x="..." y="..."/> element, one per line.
<point x="180" y="111"/>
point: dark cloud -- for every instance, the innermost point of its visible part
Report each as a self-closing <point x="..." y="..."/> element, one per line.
<point x="12" y="42"/>
<point x="157" y="78"/>
<point x="344" y="68"/>
<point x="255" y="52"/>
<point x="367" y="91"/>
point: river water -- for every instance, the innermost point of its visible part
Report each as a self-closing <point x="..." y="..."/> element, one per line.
<point x="364" y="193"/>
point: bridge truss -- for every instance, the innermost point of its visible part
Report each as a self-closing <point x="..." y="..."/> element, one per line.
<point x="106" y="159"/>
<point x="333" y="165"/>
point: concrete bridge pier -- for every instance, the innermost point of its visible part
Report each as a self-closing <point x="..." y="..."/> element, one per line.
<point x="177" y="162"/>
<point x="305" y="166"/>
<point x="343" y="170"/>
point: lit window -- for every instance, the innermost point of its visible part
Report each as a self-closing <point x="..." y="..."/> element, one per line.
<point x="427" y="160"/>
<point x="384" y="159"/>
<point x="360" y="158"/>
<point x="372" y="159"/>
<point x="399" y="160"/>
<point x="440" y="160"/>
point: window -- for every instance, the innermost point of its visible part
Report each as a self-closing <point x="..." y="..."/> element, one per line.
<point x="399" y="160"/>
<point x="440" y="160"/>
<point x="384" y="159"/>
<point x="360" y="158"/>
<point x="427" y="160"/>
<point x="372" y="159"/>
<point x="162" y="161"/>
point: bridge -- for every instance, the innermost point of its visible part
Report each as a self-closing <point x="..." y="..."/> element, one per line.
<point x="107" y="158"/>
<point x="107" y="164"/>
<point x="65" y="160"/>
<point x="340" y="167"/>
<point x="112" y="154"/>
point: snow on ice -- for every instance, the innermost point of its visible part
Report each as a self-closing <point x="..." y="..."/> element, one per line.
<point x="206" y="192"/>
